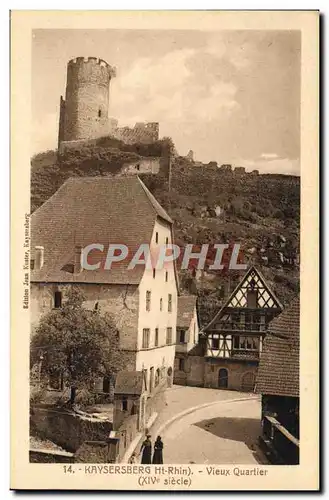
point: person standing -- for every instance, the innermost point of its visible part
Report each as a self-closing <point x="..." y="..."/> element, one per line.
<point x="158" y="455"/>
<point x="146" y="448"/>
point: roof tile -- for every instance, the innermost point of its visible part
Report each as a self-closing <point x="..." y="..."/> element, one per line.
<point x="118" y="210"/>
<point x="278" y="372"/>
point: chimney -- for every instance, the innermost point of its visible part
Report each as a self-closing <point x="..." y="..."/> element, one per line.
<point x="39" y="258"/>
<point x="77" y="260"/>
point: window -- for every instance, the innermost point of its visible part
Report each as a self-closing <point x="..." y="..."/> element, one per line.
<point x="153" y="273"/>
<point x="182" y="336"/>
<point x="256" y="322"/>
<point x="146" y="338"/>
<point x="194" y="332"/>
<point x="169" y="302"/>
<point x="181" y="364"/>
<point x="215" y="343"/>
<point x="252" y="298"/>
<point x="58" y="300"/>
<point x="148" y="300"/>
<point x="235" y="321"/>
<point x="32" y="264"/>
<point x="137" y="166"/>
<point x="124" y="403"/>
<point x="145" y="374"/>
<point x="169" y="335"/>
<point x="161" y="304"/>
<point x="99" y="113"/>
<point x="166" y="276"/>
<point x="248" y="321"/>
<point x="156" y="237"/>
<point x="167" y="240"/>
<point x="151" y="378"/>
<point x="157" y="377"/>
<point x="156" y="339"/>
<point x="246" y="343"/>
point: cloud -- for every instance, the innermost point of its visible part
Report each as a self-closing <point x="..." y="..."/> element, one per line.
<point x="272" y="165"/>
<point x="43" y="133"/>
<point x="269" y="156"/>
<point x="168" y="90"/>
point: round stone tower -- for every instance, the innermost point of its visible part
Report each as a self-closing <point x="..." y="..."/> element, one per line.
<point x="84" y="113"/>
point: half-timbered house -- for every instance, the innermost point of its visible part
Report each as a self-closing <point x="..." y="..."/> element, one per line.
<point x="235" y="335"/>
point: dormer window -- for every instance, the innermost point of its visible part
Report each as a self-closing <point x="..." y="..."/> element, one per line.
<point x="99" y="113"/>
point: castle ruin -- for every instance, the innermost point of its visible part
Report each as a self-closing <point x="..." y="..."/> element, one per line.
<point x="84" y="113"/>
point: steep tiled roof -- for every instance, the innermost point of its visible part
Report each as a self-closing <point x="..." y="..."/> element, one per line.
<point x="129" y="383"/>
<point x="88" y="210"/>
<point x="278" y="372"/>
<point x="186" y="305"/>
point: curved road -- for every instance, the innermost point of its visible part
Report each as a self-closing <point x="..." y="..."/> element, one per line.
<point x="223" y="433"/>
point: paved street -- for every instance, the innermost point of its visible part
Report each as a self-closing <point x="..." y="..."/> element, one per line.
<point x="225" y="432"/>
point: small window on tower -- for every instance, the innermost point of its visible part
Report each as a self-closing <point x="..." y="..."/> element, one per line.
<point x="99" y="113"/>
<point x="58" y="300"/>
<point x="124" y="403"/>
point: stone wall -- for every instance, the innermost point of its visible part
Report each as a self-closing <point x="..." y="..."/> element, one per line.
<point x="193" y="373"/>
<point x="126" y="433"/>
<point x="144" y="133"/>
<point x="66" y="429"/>
<point x="94" y="452"/>
<point x="48" y="457"/>
<point x="122" y="301"/>
<point x="238" y="373"/>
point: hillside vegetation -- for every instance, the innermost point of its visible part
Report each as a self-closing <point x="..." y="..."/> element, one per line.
<point x="208" y="205"/>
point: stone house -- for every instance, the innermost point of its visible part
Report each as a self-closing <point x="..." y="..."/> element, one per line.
<point x="127" y="417"/>
<point x="151" y="165"/>
<point x="187" y="337"/>
<point x="142" y="300"/>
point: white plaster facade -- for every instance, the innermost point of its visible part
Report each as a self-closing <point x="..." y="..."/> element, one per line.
<point x="127" y="304"/>
<point x="191" y="335"/>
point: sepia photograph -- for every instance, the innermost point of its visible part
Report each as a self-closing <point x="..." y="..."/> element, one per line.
<point x="163" y="262"/>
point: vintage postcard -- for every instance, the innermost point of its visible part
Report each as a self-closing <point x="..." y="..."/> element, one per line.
<point x="165" y="331"/>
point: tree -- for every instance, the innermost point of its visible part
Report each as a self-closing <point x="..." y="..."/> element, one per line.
<point x="77" y="344"/>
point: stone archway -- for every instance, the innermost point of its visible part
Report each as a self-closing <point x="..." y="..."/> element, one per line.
<point x="222" y="378"/>
<point x="248" y="382"/>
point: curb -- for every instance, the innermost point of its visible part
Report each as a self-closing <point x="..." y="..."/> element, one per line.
<point x="178" y="416"/>
<point x="195" y="408"/>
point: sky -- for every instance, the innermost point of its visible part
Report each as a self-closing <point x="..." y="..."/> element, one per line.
<point x="230" y="96"/>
